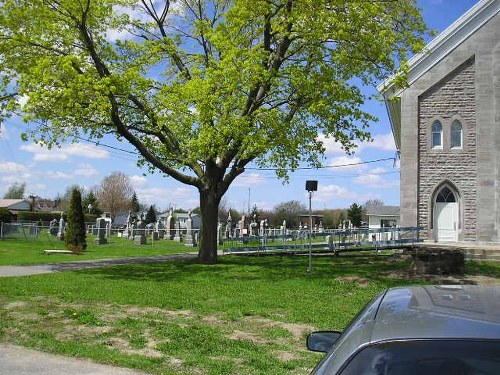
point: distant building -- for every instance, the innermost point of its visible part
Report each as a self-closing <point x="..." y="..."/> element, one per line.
<point x="447" y="130"/>
<point x="15" y="205"/>
<point x="382" y="216"/>
<point x="316" y="220"/>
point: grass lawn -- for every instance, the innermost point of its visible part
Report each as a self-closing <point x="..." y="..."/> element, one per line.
<point x="30" y="251"/>
<point x="245" y="315"/>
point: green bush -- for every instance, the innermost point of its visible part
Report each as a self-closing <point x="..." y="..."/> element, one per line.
<point x="44" y="217"/>
<point x="5" y="215"/>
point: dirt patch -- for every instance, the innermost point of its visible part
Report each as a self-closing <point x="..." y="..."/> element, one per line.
<point x="298" y="331"/>
<point x="213" y="320"/>
<point x="285" y="356"/>
<point x="362" y="282"/>
<point x="247" y="336"/>
<point x="15" y="305"/>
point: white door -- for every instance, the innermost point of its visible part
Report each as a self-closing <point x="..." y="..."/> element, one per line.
<point x="446" y="223"/>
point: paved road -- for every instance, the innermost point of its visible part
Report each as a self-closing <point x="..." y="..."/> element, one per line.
<point x="11" y="271"/>
<point x="15" y="360"/>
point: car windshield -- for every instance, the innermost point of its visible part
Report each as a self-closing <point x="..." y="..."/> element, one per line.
<point x="425" y="357"/>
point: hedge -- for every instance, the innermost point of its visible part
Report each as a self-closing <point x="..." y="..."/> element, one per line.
<point x="5" y="215"/>
<point x="46" y="217"/>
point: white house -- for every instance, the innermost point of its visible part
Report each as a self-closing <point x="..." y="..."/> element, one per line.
<point x="382" y="216"/>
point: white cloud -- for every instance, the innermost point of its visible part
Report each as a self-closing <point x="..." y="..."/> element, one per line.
<point x="331" y="147"/>
<point x="137" y="12"/>
<point x="181" y="197"/>
<point x="44" y="154"/>
<point x="248" y="180"/>
<point x="327" y="193"/>
<point x="86" y="151"/>
<point x="383" y="142"/>
<point x="376" y="181"/>
<point x="138" y="181"/>
<point x="11" y="168"/>
<point x="4" y="134"/>
<point x="56" y="175"/>
<point x="85" y="170"/>
<point x="347" y="163"/>
<point x="64" y="152"/>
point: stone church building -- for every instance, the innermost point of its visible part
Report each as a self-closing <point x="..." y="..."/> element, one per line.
<point x="446" y="125"/>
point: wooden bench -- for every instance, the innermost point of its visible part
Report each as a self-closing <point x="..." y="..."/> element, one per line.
<point x="48" y="252"/>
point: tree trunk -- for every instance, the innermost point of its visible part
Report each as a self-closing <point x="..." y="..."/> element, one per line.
<point x="209" y="206"/>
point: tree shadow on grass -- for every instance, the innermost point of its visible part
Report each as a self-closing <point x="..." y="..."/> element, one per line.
<point x="244" y="268"/>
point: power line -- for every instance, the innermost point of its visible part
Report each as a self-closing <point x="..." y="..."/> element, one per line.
<point x="325" y="166"/>
<point x="135" y="153"/>
<point x="256" y="168"/>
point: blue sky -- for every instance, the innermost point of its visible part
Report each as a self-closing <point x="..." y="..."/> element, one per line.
<point x="47" y="173"/>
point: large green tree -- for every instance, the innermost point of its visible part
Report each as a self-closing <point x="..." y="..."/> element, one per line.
<point x="203" y="88"/>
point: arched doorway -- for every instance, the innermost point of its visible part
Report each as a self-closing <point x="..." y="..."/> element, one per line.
<point x="446" y="217"/>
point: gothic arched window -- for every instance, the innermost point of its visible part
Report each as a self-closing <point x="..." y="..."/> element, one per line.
<point x="445" y="195"/>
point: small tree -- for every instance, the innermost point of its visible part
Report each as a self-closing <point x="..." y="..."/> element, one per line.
<point x="288" y="211"/>
<point x="75" y="237"/>
<point x="15" y="191"/>
<point x="90" y="204"/>
<point x="355" y="214"/>
<point x="135" y="207"/>
<point x="151" y="215"/>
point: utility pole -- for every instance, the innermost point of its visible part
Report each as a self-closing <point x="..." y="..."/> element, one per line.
<point x="311" y="186"/>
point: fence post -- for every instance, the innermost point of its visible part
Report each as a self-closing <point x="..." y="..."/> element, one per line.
<point x="1" y="229"/>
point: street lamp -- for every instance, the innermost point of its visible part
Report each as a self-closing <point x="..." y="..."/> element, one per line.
<point x="311" y="186"/>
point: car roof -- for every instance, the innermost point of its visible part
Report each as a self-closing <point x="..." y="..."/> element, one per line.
<point x="443" y="311"/>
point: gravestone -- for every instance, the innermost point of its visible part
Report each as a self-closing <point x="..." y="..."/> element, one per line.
<point x="140" y="239"/>
<point x="170" y="225"/>
<point x="101" y="231"/>
<point x="229" y="224"/>
<point x="159" y="229"/>
<point x="128" y="223"/>
<point x="220" y="234"/>
<point x="60" y="232"/>
<point x="329" y="242"/>
<point x="132" y="230"/>
<point x="189" y="240"/>
<point x="177" y="236"/>
<point x="53" y="227"/>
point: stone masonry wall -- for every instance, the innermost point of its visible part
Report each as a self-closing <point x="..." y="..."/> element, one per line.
<point x="453" y="98"/>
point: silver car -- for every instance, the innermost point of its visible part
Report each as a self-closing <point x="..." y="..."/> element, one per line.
<point x="421" y="330"/>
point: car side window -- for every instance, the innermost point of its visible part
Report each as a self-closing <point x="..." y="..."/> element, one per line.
<point x="427" y="357"/>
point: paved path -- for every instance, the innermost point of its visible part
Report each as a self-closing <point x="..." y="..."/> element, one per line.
<point x="15" y="360"/>
<point x="10" y="271"/>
